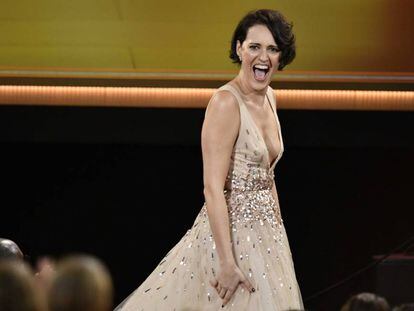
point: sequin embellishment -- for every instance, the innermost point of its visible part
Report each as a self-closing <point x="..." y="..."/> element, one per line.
<point x="250" y="198"/>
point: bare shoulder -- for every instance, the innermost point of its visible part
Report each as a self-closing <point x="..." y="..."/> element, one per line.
<point x="222" y="117"/>
<point x="223" y="102"/>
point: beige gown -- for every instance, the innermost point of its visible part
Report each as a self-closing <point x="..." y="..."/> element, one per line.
<point x="180" y="282"/>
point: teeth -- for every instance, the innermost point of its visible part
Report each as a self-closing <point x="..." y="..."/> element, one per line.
<point x="264" y="67"/>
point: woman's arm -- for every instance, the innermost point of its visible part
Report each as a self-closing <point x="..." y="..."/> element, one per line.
<point x="220" y="129"/>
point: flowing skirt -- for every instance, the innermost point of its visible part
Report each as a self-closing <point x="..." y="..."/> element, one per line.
<point x="180" y="282"/>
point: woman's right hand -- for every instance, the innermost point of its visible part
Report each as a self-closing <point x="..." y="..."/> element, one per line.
<point x="228" y="279"/>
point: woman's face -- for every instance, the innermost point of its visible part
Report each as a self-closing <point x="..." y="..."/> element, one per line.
<point x="260" y="57"/>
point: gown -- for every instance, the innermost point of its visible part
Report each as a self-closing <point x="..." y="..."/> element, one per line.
<point x="180" y="282"/>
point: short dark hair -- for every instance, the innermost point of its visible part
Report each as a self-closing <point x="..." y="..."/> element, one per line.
<point x="277" y="24"/>
<point x="81" y="282"/>
<point x="366" y="302"/>
<point x="18" y="290"/>
<point x="404" y="307"/>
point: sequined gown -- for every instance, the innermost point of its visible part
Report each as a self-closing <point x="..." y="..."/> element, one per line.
<point x="180" y="282"/>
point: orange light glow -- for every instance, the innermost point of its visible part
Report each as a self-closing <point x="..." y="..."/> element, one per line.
<point x="198" y="98"/>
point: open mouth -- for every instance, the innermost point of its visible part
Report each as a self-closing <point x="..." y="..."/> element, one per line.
<point x="260" y="72"/>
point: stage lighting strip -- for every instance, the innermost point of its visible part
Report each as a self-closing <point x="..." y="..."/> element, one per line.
<point x="199" y="97"/>
<point x="161" y="75"/>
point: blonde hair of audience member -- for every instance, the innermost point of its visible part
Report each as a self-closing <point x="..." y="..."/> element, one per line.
<point x="18" y="291"/>
<point x="81" y="283"/>
<point x="366" y="302"/>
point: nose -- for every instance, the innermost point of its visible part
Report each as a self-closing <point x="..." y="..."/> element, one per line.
<point x="263" y="55"/>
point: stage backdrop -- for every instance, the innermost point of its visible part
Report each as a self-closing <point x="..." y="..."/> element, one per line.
<point x="193" y="37"/>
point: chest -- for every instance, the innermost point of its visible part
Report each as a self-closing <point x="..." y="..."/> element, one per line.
<point x="265" y="123"/>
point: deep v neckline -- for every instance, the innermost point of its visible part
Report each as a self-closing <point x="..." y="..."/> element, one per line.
<point x="260" y="135"/>
<point x="270" y="163"/>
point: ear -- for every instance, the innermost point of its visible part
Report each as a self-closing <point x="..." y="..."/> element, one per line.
<point x="238" y="48"/>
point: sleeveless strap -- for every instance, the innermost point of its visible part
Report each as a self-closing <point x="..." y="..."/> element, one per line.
<point x="271" y="97"/>
<point x="232" y="90"/>
<point x="242" y="107"/>
<point x="269" y="94"/>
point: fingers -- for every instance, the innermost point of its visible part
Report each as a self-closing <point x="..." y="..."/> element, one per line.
<point x="223" y="292"/>
<point x="228" y="296"/>
<point x="247" y="285"/>
<point x="229" y="292"/>
<point x="213" y="282"/>
<point x="216" y="285"/>
<point x="226" y="292"/>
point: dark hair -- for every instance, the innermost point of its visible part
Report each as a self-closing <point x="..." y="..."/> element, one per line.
<point x="366" y="302"/>
<point x="18" y="291"/>
<point x="81" y="282"/>
<point x="277" y="24"/>
<point x="404" y="307"/>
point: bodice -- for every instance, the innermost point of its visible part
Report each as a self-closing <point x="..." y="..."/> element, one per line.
<point x="250" y="177"/>
<point x="250" y="168"/>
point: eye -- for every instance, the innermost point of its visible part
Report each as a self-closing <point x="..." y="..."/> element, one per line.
<point x="254" y="47"/>
<point x="274" y="49"/>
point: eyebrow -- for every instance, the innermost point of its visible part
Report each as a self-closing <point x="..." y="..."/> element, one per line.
<point x="270" y="45"/>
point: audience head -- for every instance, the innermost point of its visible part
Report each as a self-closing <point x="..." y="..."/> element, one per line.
<point x="404" y="307"/>
<point x="9" y="250"/>
<point x="366" y="302"/>
<point x="80" y="283"/>
<point x="18" y="291"/>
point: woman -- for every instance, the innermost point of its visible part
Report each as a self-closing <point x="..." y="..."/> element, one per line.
<point x="236" y="255"/>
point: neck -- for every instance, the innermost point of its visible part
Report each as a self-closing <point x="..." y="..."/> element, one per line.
<point x="249" y="94"/>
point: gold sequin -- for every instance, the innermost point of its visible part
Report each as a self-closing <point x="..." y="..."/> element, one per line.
<point x="250" y="199"/>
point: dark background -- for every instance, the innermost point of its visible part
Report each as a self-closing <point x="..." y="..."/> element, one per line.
<point x="125" y="184"/>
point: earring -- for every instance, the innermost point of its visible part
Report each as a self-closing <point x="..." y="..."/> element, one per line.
<point x="240" y="58"/>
